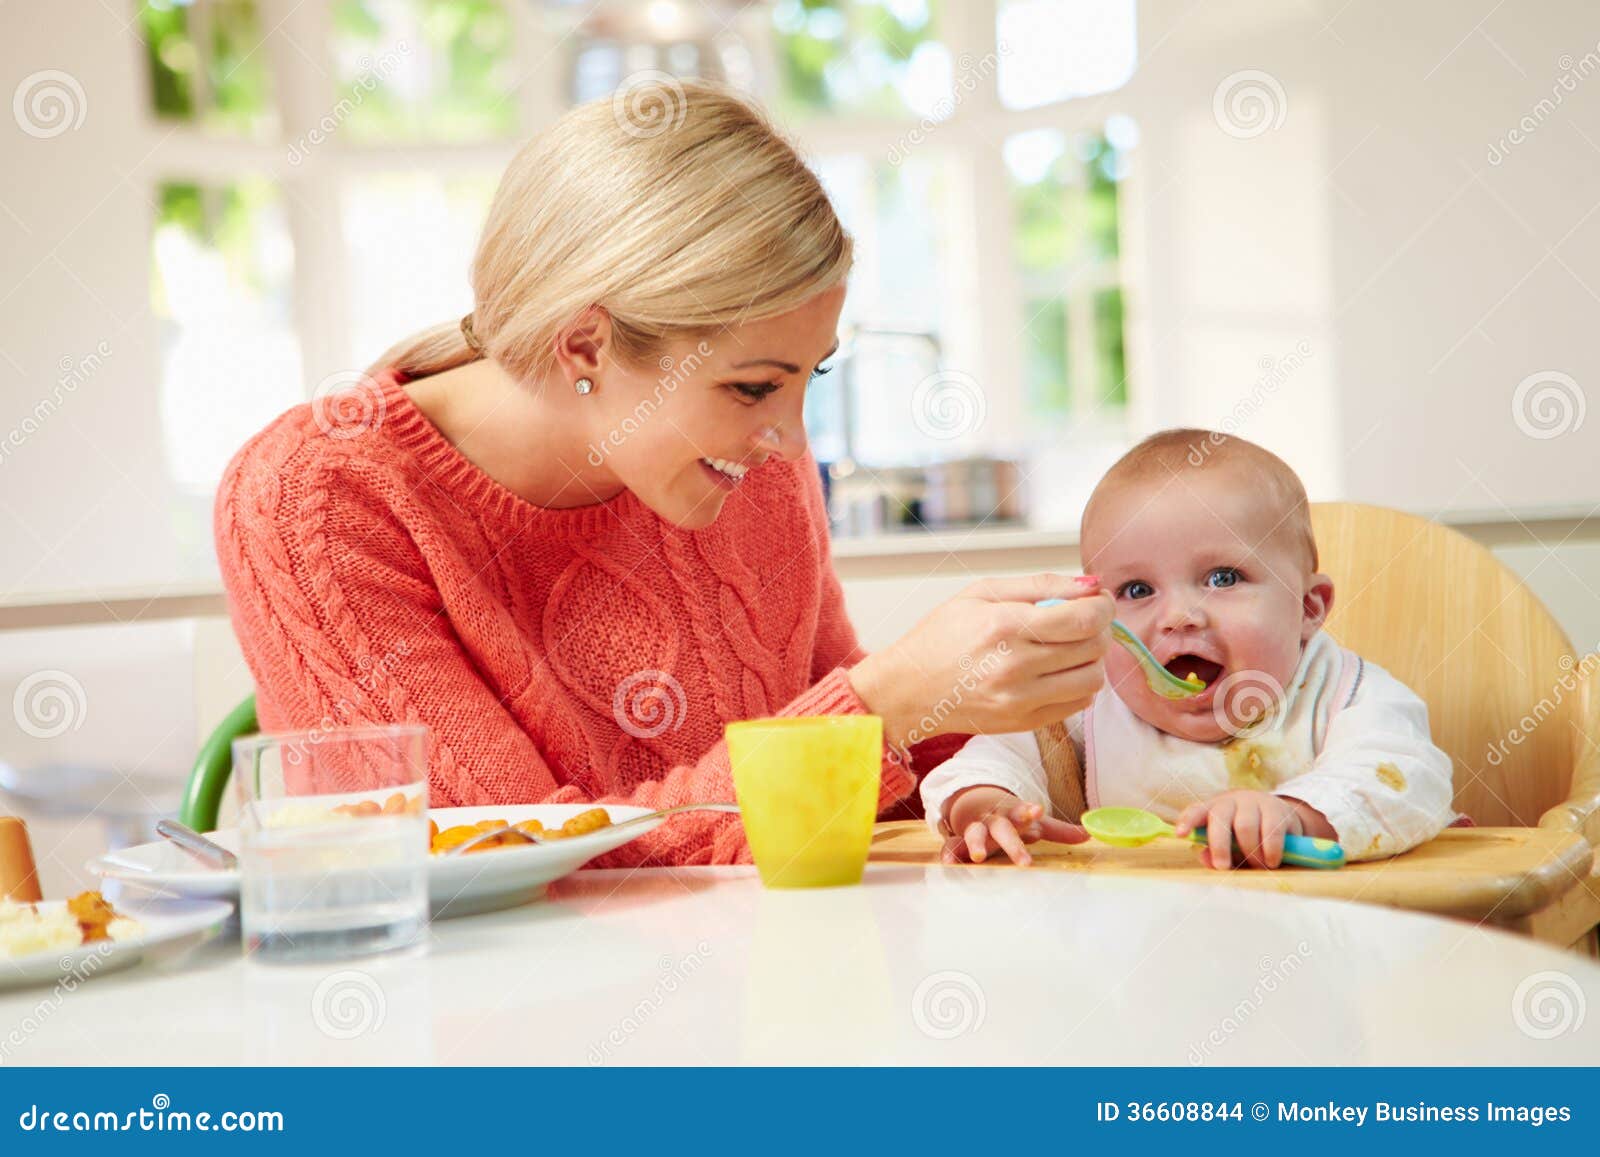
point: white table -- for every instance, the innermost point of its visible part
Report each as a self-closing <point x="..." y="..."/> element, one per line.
<point x="920" y="965"/>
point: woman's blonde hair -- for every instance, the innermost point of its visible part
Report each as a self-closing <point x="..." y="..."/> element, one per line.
<point x="675" y="206"/>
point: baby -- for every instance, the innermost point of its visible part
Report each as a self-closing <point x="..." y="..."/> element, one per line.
<point x="1205" y="543"/>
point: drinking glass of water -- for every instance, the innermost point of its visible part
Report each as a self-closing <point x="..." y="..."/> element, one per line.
<point x="333" y="828"/>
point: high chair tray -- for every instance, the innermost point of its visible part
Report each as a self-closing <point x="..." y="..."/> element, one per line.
<point x="1533" y="880"/>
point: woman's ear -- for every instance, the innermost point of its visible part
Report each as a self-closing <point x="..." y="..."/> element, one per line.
<point x="582" y="344"/>
<point x="1316" y="605"/>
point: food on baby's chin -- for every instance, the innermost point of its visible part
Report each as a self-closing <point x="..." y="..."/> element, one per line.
<point x="84" y="919"/>
<point x="579" y="825"/>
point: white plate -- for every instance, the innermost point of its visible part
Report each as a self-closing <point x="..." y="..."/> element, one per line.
<point x="457" y="885"/>
<point x="166" y="922"/>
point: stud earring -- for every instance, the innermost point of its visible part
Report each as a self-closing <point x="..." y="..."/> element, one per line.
<point x="583" y="386"/>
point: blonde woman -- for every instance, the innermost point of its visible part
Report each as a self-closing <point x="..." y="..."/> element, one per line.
<point x="578" y="532"/>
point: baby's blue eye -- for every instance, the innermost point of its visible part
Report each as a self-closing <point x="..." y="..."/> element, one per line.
<point x="1223" y="576"/>
<point x="1137" y="589"/>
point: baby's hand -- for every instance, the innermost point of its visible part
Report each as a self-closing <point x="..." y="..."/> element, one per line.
<point x="1256" y="821"/>
<point x="984" y="818"/>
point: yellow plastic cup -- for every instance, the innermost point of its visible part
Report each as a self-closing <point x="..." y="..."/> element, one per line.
<point x="808" y="792"/>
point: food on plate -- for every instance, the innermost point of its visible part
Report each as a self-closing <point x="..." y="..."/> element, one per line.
<point x="84" y="919"/>
<point x="396" y="805"/>
<point x="439" y="842"/>
<point x="295" y="814"/>
<point x="579" y="825"/>
<point x="25" y="930"/>
<point x="585" y="822"/>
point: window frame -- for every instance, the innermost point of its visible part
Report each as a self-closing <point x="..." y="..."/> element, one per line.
<point x="968" y="145"/>
<point x="980" y="326"/>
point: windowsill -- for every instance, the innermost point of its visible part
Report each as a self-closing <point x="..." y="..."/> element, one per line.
<point x="1487" y="525"/>
<point x="953" y="540"/>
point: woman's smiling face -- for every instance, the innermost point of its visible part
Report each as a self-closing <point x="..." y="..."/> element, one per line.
<point x="684" y="431"/>
<point x="1209" y="573"/>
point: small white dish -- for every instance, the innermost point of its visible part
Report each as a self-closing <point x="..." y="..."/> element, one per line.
<point x="164" y="923"/>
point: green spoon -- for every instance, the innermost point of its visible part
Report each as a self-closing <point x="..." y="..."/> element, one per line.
<point x="1131" y="827"/>
<point x="1162" y="681"/>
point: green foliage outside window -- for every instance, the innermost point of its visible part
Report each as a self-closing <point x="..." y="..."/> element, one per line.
<point x="846" y="56"/>
<point x="207" y="66"/>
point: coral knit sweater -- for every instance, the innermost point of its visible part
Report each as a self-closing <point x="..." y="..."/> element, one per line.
<point x="375" y="575"/>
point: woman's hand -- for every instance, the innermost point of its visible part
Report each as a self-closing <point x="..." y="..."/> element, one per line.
<point x="989" y="661"/>
<point x="984" y="818"/>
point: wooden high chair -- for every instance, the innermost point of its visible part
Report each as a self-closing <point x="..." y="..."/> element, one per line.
<point x="1509" y="699"/>
<point x="1511" y="702"/>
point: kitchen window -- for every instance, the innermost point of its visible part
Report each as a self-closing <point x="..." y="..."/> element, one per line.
<point x="989" y="303"/>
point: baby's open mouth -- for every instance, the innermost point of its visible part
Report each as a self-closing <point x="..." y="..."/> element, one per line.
<point x="1193" y="667"/>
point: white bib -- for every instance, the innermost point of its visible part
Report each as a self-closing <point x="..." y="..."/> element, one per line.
<point x="1129" y="763"/>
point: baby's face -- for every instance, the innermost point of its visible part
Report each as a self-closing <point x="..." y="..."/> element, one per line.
<point x="1206" y="570"/>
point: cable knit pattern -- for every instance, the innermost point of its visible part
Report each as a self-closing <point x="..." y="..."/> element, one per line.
<point x="561" y="656"/>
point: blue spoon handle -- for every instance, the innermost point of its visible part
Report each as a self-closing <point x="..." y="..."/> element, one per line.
<point x="1301" y="851"/>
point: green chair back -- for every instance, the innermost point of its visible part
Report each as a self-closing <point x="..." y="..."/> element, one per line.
<point x="202" y="797"/>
